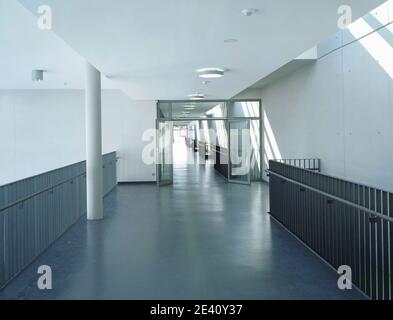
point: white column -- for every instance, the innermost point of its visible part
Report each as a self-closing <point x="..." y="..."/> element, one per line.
<point x="93" y="144"/>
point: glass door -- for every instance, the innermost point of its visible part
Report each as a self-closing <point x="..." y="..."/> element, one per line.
<point x="240" y="148"/>
<point x="164" y="153"/>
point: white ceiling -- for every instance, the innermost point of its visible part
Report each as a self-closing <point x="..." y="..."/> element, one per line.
<point x="24" y="47"/>
<point x="151" y="48"/>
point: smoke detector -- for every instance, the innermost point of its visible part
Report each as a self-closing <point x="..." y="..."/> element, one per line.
<point x="37" y="75"/>
<point x="249" y="12"/>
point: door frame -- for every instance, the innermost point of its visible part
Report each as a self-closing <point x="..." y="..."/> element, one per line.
<point x="172" y="119"/>
<point x="159" y="165"/>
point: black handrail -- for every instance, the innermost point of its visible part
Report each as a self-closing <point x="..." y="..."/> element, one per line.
<point x="53" y="170"/>
<point x="354" y="205"/>
<point x="344" y="222"/>
<point x="33" y="195"/>
<point x="13" y="204"/>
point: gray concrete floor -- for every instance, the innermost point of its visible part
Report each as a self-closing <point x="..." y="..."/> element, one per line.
<point x="198" y="239"/>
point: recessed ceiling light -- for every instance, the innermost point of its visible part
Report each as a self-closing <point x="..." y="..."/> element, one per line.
<point x="211" y="73"/>
<point x="249" y="12"/>
<point x="196" y="96"/>
<point x="185" y="112"/>
<point x="189" y="107"/>
<point x="230" y="40"/>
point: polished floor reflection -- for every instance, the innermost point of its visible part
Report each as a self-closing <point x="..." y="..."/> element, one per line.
<point x="198" y="239"/>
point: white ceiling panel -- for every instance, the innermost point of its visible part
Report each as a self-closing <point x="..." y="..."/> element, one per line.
<point x="152" y="48"/>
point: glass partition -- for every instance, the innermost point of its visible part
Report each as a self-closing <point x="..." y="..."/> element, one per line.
<point x="208" y="123"/>
<point x="164" y="156"/>
<point x="198" y="110"/>
<point x="239" y="151"/>
<point x="189" y="109"/>
<point x="164" y="110"/>
<point x="243" y="109"/>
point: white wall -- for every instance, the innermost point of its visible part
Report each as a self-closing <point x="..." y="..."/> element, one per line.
<point x="42" y="130"/>
<point x="340" y="109"/>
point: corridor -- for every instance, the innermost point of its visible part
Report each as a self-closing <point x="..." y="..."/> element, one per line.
<point x="195" y="150"/>
<point x="198" y="239"/>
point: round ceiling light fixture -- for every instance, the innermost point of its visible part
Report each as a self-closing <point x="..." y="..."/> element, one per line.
<point x="196" y="96"/>
<point x="211" y="73"/>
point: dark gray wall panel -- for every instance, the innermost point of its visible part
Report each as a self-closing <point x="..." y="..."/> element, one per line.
<point x="2" y="271"/>
<point x="48" y="204"/>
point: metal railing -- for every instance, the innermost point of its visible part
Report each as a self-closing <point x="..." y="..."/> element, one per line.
<point x="346" y="223"/>
<point x="202" y="149"/>
<point x="189" y="142"/>
<point x="309" y="164"/>
<point x="36" y="211"/>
